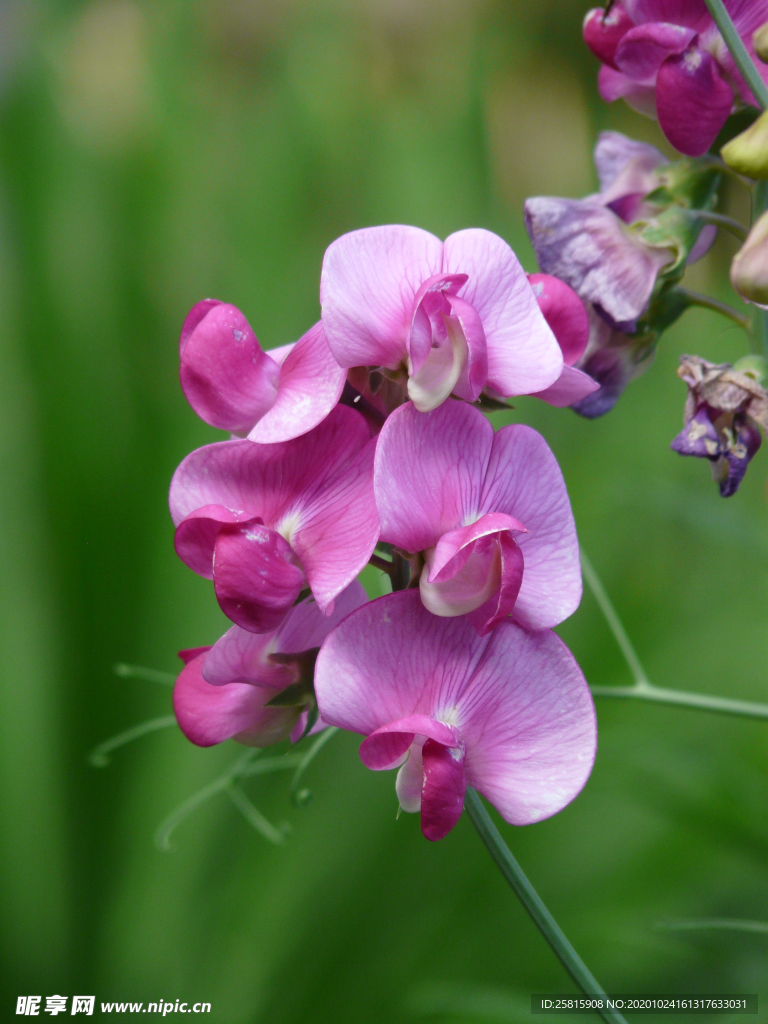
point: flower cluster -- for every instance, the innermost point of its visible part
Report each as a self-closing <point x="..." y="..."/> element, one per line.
<point x="368" y="432"/>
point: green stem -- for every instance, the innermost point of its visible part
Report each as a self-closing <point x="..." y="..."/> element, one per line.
<point x="721" y="220"/>
<point x="723" y="923"/>
<point x="99" y="756"/>
<point x="707" y="302"/>
<point x="613" y="620"/>
<point x="738" y="51"/>
<point x="301" y="797"/>
<point x="532" y="902"/>
<point x="152" y="675"/>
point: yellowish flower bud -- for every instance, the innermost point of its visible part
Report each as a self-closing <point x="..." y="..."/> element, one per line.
<point x="748" y="152"/>
<point x="749" y="269"/>
<point x="760" y="42"/>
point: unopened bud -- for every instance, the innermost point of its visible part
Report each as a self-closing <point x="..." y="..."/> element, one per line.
<point x="749" y="269"/>
<point x="748" y="153"/>
<point x="760" y="42"/>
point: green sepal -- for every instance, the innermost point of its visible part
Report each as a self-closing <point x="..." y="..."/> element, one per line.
<point x="312" y="716"/>
<point x="753" y="366"/>
<point x="676" y="228"/>
<point x="293" y="696"/>
<point x="691" y="183"/>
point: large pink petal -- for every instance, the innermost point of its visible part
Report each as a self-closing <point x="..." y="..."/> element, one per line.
<point x="564" y="312"/>
<point x="603" y="32"/>
<point x="641" y="51"/>
<point x="367" y="289"/>
<point x="255" y="575"/>
<point x="428" y="472"/>
<point x="691" y="13"/>
<point x="524" y="480"/>
<point x="570" y="387"/>
<point x="523" y="355"/>
<point x="528" y="724"/>
<point x="309" y="386"/>
<point x="227" y="379"/>
<point x="442" y="794"/>
<point x="613" y="85"/>
<point x="387" y="745"/>
<point x="693" y="101"/>
<point x="305" y="626"/>
<point x="211" y="714"/>
<point x="195" y="536"/>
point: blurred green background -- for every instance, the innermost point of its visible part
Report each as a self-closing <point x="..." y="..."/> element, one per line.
<point x="152" y="154"/>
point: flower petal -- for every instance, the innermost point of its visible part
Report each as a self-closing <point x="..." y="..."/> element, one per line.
<point x="522" y="353"/>
<point x="430" y="301"/>
<point x="196" y="534"/>
<point x="474" y="373"/>
<point x="368" y="284"/>
<point x="442" y="795"/>
<point x="603" y="31"/>
<point x="241" y="656"/>
<point x="564" y="312"/>
<point x="641" y="51"/>
<point x="428" y="472"/>
<point x="309" y="386"/>
<point x="524" y="480"/>
<point x="440" y="372"/>
<point x="306" y="627"/>
<point x="572" y="386"/>
<point x="387" y="745"/>
<point x="613" y="85"/>
<point x="690" y="13"/>
<point x="693" y="101"/>
<point x="501" y="604"/>
<point x="626" y="162"/>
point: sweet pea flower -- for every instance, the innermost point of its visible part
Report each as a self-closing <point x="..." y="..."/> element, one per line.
<point x="267" y="396"/>
<point x="441" y="317"/>
<point x="226" y="691"/>
<point x="667" y="59"/>
<point x="509" y="713"/>
<point x="267" y="521"/>
<point x="488" y="512"/>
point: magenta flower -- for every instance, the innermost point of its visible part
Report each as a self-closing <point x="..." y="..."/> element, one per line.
<point x="509" y="714"/>
<point x="443" y="317"/>
<point x="667" y="59"/>
<point x="567" y="317"/>
<point x="267" y="521"/>
<point x="232" y="384"/>
<point x="488" y="512"/>
<point x="224" y="691"/>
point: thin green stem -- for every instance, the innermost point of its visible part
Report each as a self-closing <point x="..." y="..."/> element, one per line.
<point x="738" y="51"/>
<point x="721" y="220"/>
<point x="381" y="563"/>
<point x="613" y="620"/>
<point x="719" y="923"/>
<point x="301" y="797"/>
<point x="254" y="816"/>
<point x="152" y="675"/>
<point x="99" y="756"/>
<point x="532" y="902"/>
<point x="707" y="302"/>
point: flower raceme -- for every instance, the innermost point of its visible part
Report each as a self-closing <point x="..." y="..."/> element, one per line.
<point x="267" y="521"/>
<point x="226" y="691"/>
<point x="488" y="512"/>
<point x="509" y="713"/>
<point x="453" y="317"/>
<point x="667" y="59"/>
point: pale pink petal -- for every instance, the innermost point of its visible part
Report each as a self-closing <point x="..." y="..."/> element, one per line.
<point x="309" y="386"/>
<point x="305" y="626"/>
<point x="195" y="536"/>
<point x="528" y="725"/>
<point x="613" y="85"/>
<point x="241" y="656"/>
<point x="367" y="289"/>
<point x="564" y="312"/>
<point x="428" y="472"/>
<point x="442" y="795"/>
<point x="641" y="51"/>
<point x="474" y="373"/>
<point x="693" y="101"/>
<point x="410" y="780"/>
<point x="572" y="386"/>
<point x="451" y="543"/>
<point x="281" y="353"/>
<point x="703" y="243"/>
<point x="603" y="31"/>
<point x="437" y="377"/>
<point x="524" y="480"/>
<point x="625" y="165"/>
<point x="227" y="379"/>
<point x="523" y="355"/>
<point x="385" y="747"/>
<point x="470" y="579"/>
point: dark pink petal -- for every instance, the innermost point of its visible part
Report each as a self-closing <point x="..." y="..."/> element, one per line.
<point x="387" y="745"/>
<point x="309" y="386"/>
<point x="367" y="289"/>
<point x="241" y="656"/>
<point x="227" y="379"/>
<point x="501" y="604"/>
<point x="472" y="578"/>
<point x="572" y="386"/>
<point x="522" y="353"/>
<point x="692" y="100"/>
<point x="198" y="312"/>
<point x="474" y="375"/>
<point x="524" y="480"/>
<point x="442" y="795"/>
<point x="748" y="16"/>
<point x="625" y="165"/>
<point x="195" y="536"/>
<point x="691" y="13"/>
<point x="703" y="243"/>
<point x="564" y="312"/>
<point x="428" y="472"/>
<point x="613" y="85"/>
<point x="428" y="305"/>
<point x="256" y="576"/>
<point x="211" y="714"/>
<point x="451" y="543"/>
<point x="191" y="653"/>
<point x="603" y="32"/>
<point x="640" y="53"/>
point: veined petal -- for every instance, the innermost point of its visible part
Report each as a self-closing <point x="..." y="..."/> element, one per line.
<point x="227" y="379"/>
<point x="385" y="747"/>
<point x="472" y="577"/>
<point x="368" y="285"/>
<point x="241" y="656"/>
<point x="572" y="386"/>
<point x="442" y="795"/>
<point x="474" y="373"/>
<point x="455" y="541"/>
<point x="196" y="534"/>
<point x="693" y="101"/>
<point x="500" y="605"/>
<point x="641" y="51"/>
<point x="428" y="472"/>
<point x="523" y="355"/>
<point x="564" y="312"/>
<point x="306" y="626"/>
<point x="309" y="386"/>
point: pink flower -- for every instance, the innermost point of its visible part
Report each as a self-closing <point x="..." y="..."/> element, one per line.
<point x="224" y="691"/>
<point x="667" y="59"/>
<point x="567" y="317"/>
<point x="509" y="714"/>
<point x="233" y="385"/>
<point x="489" y="513"/>
<point x="266" y="521"/>
<point x="444" y="317"/>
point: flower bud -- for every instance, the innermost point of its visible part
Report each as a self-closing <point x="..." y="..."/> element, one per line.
<point x="748" y="153"/>
<point x="749" y="269"/>
<point x="760" y="42"/>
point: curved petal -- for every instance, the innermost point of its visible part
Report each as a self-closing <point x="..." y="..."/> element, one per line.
<point x="367" y="289"/>
<point x="470" y="579"/>
<point x="455" y="541"/>
<point x="428" y="472"/>
<point x="474" y="372"/>
<point x="524" y="480"/>
<point x="603" y="31"/>
<point x="385" y="747"/>
<point x="613" y="85"/>
<point x="572" y="386"/>
<point x="523" y="355"/>
<point x="195" y="536"/>
<point x="626" y="163"/>
<point x="430" y="301"/>
<point x="690" y="13"/>
<point x="444" y="785"/>
<point x="305" y="626"/>
<point x="692" y="100"/>
<point x="641" y="51"/>
<point x="227" y="379"/>
<point x="564" y="312"/>
<point x="198" y="312"/>
<point x="241" y="656"/>
<point x="528" y="724"/>
<point x="501" y="604"/>
<point x="211" y="714"/>
<point x="439" y="374"/>
<point x="309" y="386"/>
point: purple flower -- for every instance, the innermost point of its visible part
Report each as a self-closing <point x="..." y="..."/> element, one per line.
<point x="232" y="384"/>
<point x="442" y="318"/>
<point x="488" y="512"/>
<point x="509" y="713"/>
<point x="667" y="59"/>
<point x="224" y="692"/>
<point x="267" y="521"/>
